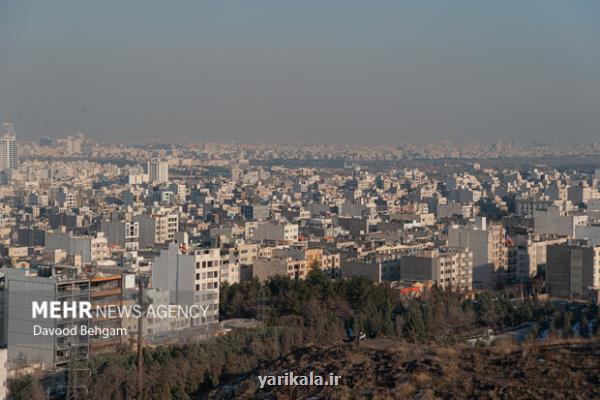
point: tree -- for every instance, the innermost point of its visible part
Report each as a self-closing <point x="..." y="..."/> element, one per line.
<point x="566" y="325"/>
<point x="584" y="329"/>
<point x="484" y="308"/>
<point x="26" y="388"/>
<point x="414" y="327"/>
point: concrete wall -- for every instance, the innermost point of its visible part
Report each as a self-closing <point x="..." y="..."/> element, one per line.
<point x="417" y="268"/>
<point x="569" y="271"/>
<point x="264" y="268"/>
<point x="352" y="268"/>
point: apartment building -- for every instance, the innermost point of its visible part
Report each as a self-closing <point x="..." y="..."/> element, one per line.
<point x="527" y="254"/>
<point x="192" y="277"/>
<point x="157" y="228"/>
<point x="236" y="259"/>
<point x="121" y="233"/>
<point x="377" y="267"/>
<point x="487" y="242"/>
<point x="272" y="231"/>
<point x="106" y="291"/>
<point x="158" y="171"/>
<point x="573" y="268"/>
<point x="89" y="248"/>
<point x="327" y="262"/>
<point x="555" y="221"/>
<point x="23" y="287"/>
<point x="283" y="262"/>
<point x="448" y="267"/>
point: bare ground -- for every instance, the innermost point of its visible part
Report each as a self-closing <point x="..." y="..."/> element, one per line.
<point x="386" y="369"/>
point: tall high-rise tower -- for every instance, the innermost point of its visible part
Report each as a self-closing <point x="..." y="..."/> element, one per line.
<point x="8" y="148"/>
<point x="158" y="171"/>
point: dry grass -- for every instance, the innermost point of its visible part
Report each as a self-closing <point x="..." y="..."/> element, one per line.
<point x="421" y="378"/>
<point x="549" y="371"/>
<point x="405" y="389"/>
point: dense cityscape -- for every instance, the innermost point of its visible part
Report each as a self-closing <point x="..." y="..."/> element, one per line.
<point x="284" y="247"/>
<point x="299" y="200"/>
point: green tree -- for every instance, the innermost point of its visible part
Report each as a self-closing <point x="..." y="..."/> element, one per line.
<point x="26" y="388"/>
<point x="414" y="326"/>
<point x="584" y="329"/>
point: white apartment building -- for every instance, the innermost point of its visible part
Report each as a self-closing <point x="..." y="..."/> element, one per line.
<point x="8" y="148"/>
<point x="158" y="171"/>
<point x="89" y="248"/>
<point x="121" y="233"/>
<point x="487" y="242"/>
<point x="192" y="276"/>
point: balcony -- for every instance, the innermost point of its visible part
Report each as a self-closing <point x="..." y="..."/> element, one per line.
<point x="63" y="345"/>
<point x="105" y="292"/>
<point x="71" y="292"/>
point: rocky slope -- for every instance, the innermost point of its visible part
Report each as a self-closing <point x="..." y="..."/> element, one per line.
<point x="385" y="369"/>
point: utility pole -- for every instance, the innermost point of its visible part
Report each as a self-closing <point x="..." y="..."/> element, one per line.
<point x="77" y="368"/>
<point x="76" y="390"/>
<point x="142" y="282"/>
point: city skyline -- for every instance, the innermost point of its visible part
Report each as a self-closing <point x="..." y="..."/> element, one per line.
<point x="506" y="143"/>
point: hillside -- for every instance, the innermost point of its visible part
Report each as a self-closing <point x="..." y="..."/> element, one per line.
<point x="387" y="369"/>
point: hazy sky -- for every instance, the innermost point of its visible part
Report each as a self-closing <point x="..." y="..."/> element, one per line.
<point x="336" y="70"/>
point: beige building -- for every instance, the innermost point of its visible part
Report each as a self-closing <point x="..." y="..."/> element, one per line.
<point x="327" y="262"/>
<point x="157" y="228"/>
<point x="527" y="253"/>
<point x="89" y="248"/>
<point x="487" y="242"/>
<point x="449" y="268"/>
<point x="272" y="231"/>
<point x="285" y="262"/>
<point x="237" y="259"/>
<point x="166" y="227"/>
